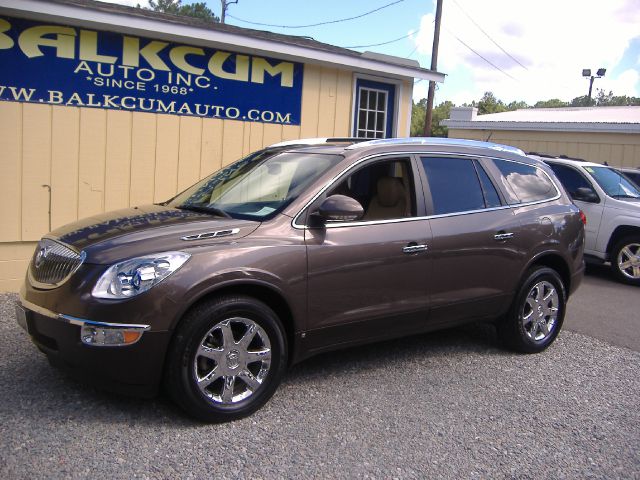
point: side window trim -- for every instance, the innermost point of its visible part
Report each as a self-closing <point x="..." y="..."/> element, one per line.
<point x="479" y="167"/>
<point x="477" y="163"/>
<point x="425" y="213"/>
<point x="426" y="190"/>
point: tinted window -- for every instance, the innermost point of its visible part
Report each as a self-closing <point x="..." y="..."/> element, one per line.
<point x="633" y="176"/>
<point x="491" y="197"/>
<point x="454" y="185"/>
<point x="528" y="183"/>
<point x="570" y="178"/>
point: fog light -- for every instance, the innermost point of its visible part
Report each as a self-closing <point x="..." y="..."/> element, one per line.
<point x="109" y="337"/>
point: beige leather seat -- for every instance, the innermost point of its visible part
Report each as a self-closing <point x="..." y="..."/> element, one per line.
<point x="390" y="200"/>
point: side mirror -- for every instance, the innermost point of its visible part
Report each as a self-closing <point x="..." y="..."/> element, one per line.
<point x="585" y="194"/>
<point x="339" y="208"/>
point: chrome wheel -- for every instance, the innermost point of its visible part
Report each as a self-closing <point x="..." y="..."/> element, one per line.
<point x="232" y="360"/>
<point x="540" y="311"/>
<point x="628" y="261"/>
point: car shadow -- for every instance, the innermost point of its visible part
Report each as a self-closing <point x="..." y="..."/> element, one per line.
<point x="602" y="272"/>
<point x="462" y="340"/>
<point x="31" y="383"/>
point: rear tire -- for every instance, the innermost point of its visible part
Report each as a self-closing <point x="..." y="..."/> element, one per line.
<point x="625" y="260"/>
<point x="226" y="359"/>
<point x="537" y="313"/>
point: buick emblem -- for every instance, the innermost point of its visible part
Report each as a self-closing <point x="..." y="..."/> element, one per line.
<point x="42" y="256"/>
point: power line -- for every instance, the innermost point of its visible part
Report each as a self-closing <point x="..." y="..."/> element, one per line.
<point x="489" y="37"/>
<point x="318" y="24"/>
<point x="412" y="52"/>
<point x="483" y="58"/>
<point x="385" y="43"/>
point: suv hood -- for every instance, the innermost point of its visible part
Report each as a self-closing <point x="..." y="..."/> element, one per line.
<point x="113" y="236"/>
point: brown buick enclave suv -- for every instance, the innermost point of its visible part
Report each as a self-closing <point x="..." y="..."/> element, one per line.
<point x="300" y="248"/>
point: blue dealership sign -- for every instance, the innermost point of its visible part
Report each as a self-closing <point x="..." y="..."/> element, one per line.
<point x="60" y="65"/>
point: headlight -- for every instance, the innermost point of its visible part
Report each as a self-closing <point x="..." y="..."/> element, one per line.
<point x="129" y="278"/>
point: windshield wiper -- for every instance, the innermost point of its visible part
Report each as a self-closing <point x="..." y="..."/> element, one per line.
<point x="626" y="196"/>
<point x="202" y="209"/>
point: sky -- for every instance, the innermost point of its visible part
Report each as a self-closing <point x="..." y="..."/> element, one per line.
<point x="517" y="49"/>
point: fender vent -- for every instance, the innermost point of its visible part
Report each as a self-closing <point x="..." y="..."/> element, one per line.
<point x="216" y="234"/>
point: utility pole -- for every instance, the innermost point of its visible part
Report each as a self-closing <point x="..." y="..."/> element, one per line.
<point x="434" y="67"/>
<point x="225" y="4"/>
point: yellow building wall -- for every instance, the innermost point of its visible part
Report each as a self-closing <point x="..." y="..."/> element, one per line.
<point x="96" y="160"/>
<point x="617" y="149"/>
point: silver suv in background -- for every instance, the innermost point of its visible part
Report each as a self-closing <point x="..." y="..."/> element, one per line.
<point x="611" y="203"/>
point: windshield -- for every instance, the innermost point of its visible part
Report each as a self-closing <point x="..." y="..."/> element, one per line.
<point x="613" y="183"/>
<point x="256" y="187"/>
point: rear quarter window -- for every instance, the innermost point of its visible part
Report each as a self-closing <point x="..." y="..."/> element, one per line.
<point x="526" y="183"/>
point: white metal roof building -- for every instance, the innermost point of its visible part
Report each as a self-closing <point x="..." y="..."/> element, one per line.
<point x="597" y="134"/>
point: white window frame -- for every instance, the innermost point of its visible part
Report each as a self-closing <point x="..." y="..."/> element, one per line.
<point x="399" y="91"/>
<point x="384" y="112"/>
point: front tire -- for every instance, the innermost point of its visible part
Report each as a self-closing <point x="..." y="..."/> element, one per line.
<point x="625" y="260"/>
<point x="226" y="359"/>
<point x="537" y="313"/>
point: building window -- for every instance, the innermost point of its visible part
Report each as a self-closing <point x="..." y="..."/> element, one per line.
<point x="374" y="109"/>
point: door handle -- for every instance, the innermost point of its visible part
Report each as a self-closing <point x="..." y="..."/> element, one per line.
<point x="500" y="236"/>
<point x="415" y="248"/>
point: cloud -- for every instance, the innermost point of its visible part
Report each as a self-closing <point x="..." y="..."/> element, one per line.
<point x="627" y="81"/>
<point x="553" y="39"/>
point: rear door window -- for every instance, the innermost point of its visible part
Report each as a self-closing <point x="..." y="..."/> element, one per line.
<point x="458" y="185"/>
<point x="526" y="183"/>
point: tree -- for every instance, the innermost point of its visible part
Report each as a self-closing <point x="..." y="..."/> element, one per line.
<point x="583" y="101"/>
<point x="418" y="111"/>
<point x="611" y="100"/>
<point x="490" y="104"/>
<point x="553" y="103"/>
<point x="175" y="7"/>
<point x="517" y="105"/>
<point x="441" y="112"/>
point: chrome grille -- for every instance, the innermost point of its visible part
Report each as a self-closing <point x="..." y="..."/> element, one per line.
<point x="53" y="263"/>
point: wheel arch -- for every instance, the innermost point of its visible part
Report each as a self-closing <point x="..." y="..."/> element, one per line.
<point x="619" y="233"/>
<point x="267" y="294"/>
<point x="556" y="262"/>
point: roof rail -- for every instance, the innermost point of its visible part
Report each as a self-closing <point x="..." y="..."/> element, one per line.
<point x="319" y="141"/>
<point x="437" y="141"/>
<point x="563" y="157"/>
<point x="545" y="155"/>
<point x="567" y="157"/>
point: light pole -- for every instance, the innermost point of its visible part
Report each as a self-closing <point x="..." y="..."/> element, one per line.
<point x="587" y="74"/>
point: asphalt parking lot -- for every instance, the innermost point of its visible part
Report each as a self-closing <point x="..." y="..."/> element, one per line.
<point x="446" y="405"/>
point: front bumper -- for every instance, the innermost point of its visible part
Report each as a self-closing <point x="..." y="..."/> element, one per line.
<point x="134" y="369"/>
